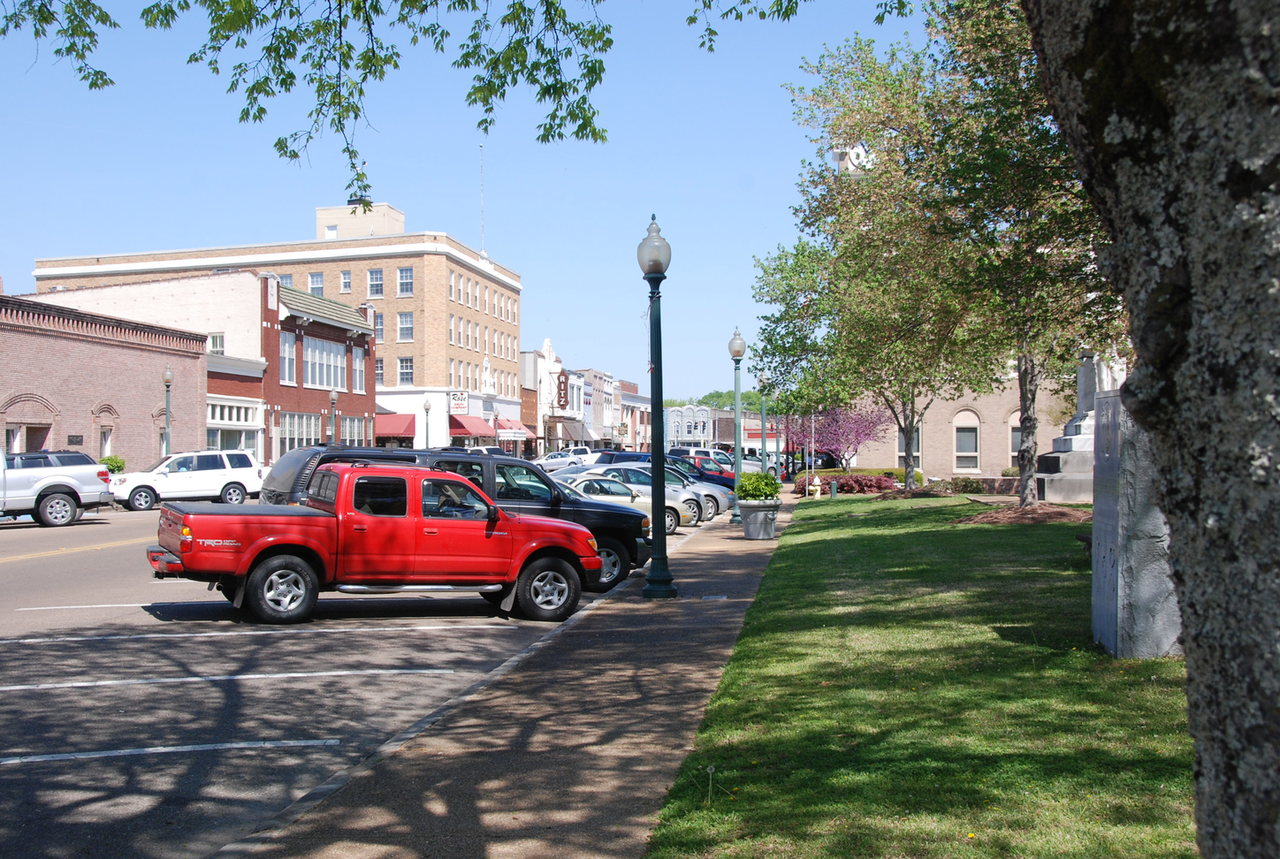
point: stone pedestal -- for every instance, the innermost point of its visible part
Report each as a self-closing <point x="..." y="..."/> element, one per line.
<point x="1135" y="611"/>
<point x="1066" y="474"/>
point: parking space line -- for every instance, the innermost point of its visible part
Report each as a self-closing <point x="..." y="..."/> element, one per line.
<point x="293" y="631"/>
<point x="169" y="750"/>
<point x="290" y="675"/>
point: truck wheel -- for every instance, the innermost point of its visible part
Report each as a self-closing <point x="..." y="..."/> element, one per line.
<point x="673" y="520"/>
<point x="142" y="498"/>
<point x="615" y="564"/>
<point x="548" y="589"/>
<point x="282" y="589"/>
<point x="232" y="493"/>
<point x="56" y="509"/>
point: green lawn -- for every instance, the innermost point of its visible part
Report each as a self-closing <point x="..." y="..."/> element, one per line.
<point x="908" y="687"/>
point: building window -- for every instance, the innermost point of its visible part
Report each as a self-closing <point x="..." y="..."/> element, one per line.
<point x="514" y="311"/>
<point x="357" y="369"/>
<point x="404" y="282"/>
<point x="377" y="327"/>
<point x="451" y="295"/>
<point x="965" y="425"/>
<point x="352" y="431"/>
<point x="346" y="282"/>
<point x="317" y="283"/>
<point x="288" y="357"/>
<point x="486" y="301"/>
<point x="1015" y="437"/>
<point x="286" y="280"/>
<point x="404" y="327"/>
<point x="451" y="364"/>
<point x="217" y="343"/>
<point x="375" y="283"/>
<point x="902" y="449"/>
<point x="450" y="328"/>
<point x="486" y="340"/>
<point x="377" y="371"/>
<point x="324" y="364"/>
<point x="299" y="430"/>
<point x="468" y="301"/>
<point x="406" y="371"/>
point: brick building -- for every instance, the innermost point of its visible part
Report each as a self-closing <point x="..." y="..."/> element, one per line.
<point x="447" y="318"/>
<point x="83" y="381"/>
<point x="275" y="356"/>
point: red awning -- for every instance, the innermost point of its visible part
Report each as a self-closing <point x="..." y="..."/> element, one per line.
<point x="393" y="426"/>
<point x="753" y="435"/>
<point x="470" y="426"/>
<point x="506" y="423"/>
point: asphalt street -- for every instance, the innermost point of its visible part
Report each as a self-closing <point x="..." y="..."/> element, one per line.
<point x="151" y="719"/>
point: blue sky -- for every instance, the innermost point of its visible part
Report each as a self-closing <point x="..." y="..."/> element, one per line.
<point x="707" y="141"/>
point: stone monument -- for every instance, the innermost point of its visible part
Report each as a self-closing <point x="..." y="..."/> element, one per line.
<point x="1135" y="610"/>
<point x="1066" y="473"/>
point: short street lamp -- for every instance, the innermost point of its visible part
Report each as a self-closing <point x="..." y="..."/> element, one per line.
<point x="426" y="423"/>
<point x="654" y="255"/>
<point x="333" y="416"/>
<point x="167" y="376"/>
<point x="737" y="348"/>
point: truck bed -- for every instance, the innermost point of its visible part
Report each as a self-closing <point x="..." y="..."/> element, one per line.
<point x="210" y="508"/>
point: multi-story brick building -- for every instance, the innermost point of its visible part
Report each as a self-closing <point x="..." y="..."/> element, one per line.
<point x="84" y="381"/>
<point x="277" y="357"/>
<point x="446" y="317"/>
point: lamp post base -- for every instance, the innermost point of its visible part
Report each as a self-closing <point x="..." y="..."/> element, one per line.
<point x="659" y="584"/>
<point x="736" y="517"/>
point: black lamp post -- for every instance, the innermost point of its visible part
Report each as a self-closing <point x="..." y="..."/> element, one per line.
<point x="737" y="348"/>
<point x="654" y="255"/>
<point x="167" y="376"/>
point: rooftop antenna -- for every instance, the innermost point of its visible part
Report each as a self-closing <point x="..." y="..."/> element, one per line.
<point x="483" y="255"/>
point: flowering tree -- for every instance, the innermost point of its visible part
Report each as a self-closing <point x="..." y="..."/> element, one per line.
<point x="842" y="431"/>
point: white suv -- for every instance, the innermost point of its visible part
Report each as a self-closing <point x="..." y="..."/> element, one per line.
<point x="229" y="476"/>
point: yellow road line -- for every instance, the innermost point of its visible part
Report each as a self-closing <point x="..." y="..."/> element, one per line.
<point x="81" y="549"/>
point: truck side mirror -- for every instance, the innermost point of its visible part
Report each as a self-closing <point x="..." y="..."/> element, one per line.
<point x="493" y="513"/>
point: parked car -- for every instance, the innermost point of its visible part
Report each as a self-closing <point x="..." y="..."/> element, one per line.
<point x="676" y="496"/>
<point x="51" y="492"/>
<point x="517" y="486"/>
<point x="382" y="528"/>
<point x="614" y="491"/>
<point x="711" y="473"/>
<point x="605" y="457"/>
<point x="229" y="476"/>
<point x="492" y="450"/>
<point x="723" y="458"/>
<point x="716" y="498"/>
<point x="557" y="460"/>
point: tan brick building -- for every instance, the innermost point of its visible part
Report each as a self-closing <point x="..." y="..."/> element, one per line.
<point x="447" y="317"/>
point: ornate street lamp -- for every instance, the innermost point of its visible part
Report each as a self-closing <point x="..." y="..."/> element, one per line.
<point x="167" y="376"/>
<point x="426" y="423"/>
<point x="654" y="255"/>
<point x="333" y="416"/>
<point x="737" y="348"/>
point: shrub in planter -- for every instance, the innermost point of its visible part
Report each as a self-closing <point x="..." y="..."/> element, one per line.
<point x="757" y="486"/>
<point x="114" y="464"/>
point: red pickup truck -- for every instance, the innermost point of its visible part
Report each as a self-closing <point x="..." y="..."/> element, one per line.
<point x="376" y="529"/>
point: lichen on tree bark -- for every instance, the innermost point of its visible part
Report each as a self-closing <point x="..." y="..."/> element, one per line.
<point x="1173" y="110"/>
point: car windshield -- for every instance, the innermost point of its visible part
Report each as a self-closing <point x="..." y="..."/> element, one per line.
<point x="158" y="464"/>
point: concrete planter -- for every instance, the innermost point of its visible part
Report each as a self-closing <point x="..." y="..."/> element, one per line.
<point x="758" y="518"/>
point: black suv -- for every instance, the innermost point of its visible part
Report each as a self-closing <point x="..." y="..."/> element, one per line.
<point x="518" y="487"/>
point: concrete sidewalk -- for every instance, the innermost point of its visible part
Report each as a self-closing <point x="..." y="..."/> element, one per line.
<point x="569" y="753"/>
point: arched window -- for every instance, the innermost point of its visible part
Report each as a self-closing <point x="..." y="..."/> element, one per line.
<point x="965" y="425"/>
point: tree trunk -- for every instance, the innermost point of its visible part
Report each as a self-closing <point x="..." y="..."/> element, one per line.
<point x="1173" y="111"/>
<point x="1029" y="373"/>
